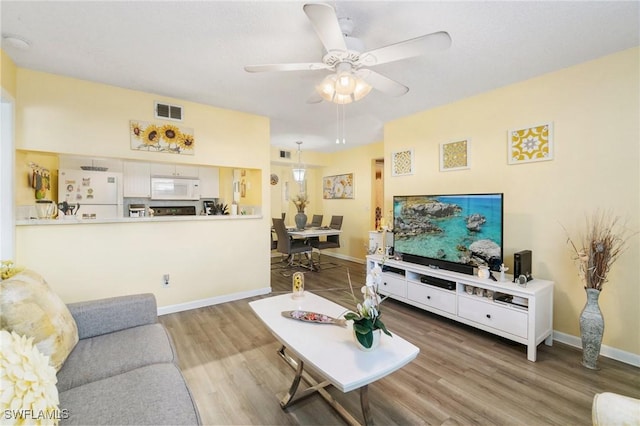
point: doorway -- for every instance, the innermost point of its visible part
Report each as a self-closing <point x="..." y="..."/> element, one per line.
<point x="378" y="193"/>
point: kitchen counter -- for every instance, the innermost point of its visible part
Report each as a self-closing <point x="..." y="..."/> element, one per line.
<point x="77" y="221"/>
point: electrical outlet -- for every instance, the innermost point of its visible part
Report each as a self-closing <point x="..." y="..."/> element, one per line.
<point x="165" y="280"/>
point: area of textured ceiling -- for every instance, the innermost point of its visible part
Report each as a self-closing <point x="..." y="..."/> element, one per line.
<point x="196" y="51"/>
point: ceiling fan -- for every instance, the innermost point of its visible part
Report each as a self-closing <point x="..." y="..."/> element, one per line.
<point x="352" y="79"/>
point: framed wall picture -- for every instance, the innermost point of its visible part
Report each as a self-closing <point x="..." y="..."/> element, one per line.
<point x="530" y="144"/>
<point x="337" y="187"/>
<point x="166" y="138"/>
<point x="402" y="163"/>
<point x="454" y="155"/>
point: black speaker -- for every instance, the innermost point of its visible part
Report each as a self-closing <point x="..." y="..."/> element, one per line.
<point x="522" y="265"/>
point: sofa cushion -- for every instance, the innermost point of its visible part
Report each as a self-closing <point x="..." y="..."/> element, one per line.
<point x="110" y="354"/>
<point x="152" y="395"/>
<point x="30" y="308"/>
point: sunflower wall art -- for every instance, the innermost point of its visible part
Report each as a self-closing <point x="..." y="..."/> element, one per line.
<point x="337" y="187"/>
<point x="166" y="138"/>
<point x="531" y="144"/>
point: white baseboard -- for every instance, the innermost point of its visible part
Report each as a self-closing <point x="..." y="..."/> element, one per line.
<point x="343" y="257"/>
<point x="164" y="310"/>
<point x="607" y="351"/>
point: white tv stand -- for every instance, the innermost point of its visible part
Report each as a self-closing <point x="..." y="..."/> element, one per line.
<point x="528" y="325"/>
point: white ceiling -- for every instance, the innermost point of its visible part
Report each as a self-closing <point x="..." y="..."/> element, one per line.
<point x="197" y="50"/>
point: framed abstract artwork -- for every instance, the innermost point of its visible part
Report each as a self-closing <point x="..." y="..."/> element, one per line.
<point x="454" y="155"/>
<point x="402" y="163"/>
<point x="531" y="144"/>
<point x="167" y="138"/>
<point x="337" y="187"/>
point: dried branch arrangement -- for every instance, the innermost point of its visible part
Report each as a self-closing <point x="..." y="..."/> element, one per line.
<point x="596" y="251"/>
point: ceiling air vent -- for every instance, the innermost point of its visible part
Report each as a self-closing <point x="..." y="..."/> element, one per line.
<point x="285" y="154"/>
<point x="169" y="112"/>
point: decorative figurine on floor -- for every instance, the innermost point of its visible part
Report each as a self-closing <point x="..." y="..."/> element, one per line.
<point x="298" y="285"/>
<point x="503" y="269"/>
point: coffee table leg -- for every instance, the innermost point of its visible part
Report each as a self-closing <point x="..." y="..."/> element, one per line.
<point x="364" y="403"/>
<point x="288" y="398"/>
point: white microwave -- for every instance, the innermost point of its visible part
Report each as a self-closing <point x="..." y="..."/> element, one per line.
<point x="175" y="189"/>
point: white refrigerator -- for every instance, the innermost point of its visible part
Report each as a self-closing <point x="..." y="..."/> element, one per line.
<point x="95" y="194"/>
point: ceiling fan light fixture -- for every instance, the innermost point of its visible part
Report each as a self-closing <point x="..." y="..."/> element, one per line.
<point x="361" y="90"/>
<point x="345" y="83"/>
<point x="343" y="88"/>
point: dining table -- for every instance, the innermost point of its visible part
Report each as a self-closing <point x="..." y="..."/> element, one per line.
<point x="311" y="232"/>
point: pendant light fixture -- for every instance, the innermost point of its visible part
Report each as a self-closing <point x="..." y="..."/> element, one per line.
<point x="299" y="171"/>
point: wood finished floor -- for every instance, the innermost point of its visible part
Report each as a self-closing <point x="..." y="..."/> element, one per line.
<point x="461" y="376"/>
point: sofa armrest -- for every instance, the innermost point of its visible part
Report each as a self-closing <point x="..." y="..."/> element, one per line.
<point x="102" y="316"/>
<point x="612" y="409"/>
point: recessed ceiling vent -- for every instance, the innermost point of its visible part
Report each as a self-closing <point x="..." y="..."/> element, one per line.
<point x="168" y="112"/>
<point x="285" y="154"/>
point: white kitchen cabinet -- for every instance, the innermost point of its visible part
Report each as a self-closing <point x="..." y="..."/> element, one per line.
<point x="73" y="162"/>
<point x="443" y="292"/>
<point x="174" y="170"/>
<point x="209" y="182"/>
<point x="137" y="179"/>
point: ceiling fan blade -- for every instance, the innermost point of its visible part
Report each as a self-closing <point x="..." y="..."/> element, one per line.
<point x="325" y="21"/>
<point x="311" y="66"/>
<point x="407" y="49"/>
<point x="382" y="83"/>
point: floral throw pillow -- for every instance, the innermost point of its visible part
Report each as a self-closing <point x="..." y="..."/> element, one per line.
<point x="29" y="307"/>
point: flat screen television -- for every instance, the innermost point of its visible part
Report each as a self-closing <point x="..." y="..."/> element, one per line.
<point x="455" y="232"/>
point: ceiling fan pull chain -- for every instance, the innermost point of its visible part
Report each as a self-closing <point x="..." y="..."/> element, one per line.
<point x="337" y="123"/>
<point x="344" y="125"/>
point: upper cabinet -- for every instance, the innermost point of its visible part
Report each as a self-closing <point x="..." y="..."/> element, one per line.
<point x="174" y="170"/>
<point x="137" y="179"/>
<point x="209" y="182"/>
<point x="89" y="163"/>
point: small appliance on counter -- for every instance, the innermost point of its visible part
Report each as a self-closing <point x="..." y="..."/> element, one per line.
<point x="46" y="209"/>
<point x="208" y="207"/>
<point x="137" y="210"/>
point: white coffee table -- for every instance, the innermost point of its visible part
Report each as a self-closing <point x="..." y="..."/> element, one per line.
<point x="330" y="350"/>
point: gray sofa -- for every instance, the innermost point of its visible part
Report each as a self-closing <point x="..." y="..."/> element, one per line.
<point x="124" y="368"/>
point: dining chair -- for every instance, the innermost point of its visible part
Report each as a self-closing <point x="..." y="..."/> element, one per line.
<point x="332" y="241"/>
<point x="316" y="221"/>
<point x="289" y="246"/>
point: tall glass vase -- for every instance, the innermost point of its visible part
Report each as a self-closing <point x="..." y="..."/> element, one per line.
<point x="301" y="220"/>
<point x="591" y="329"/>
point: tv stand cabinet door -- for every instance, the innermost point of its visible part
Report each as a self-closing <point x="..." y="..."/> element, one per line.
<point x="393" y="284"/>
<point x="443" y="300"/>
<point x="492" y="315"/>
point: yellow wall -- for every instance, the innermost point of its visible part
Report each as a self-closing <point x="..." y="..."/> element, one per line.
<point x="282" y="168"/>
<point x="595" y="110"/>
<point x="205" y="259"/>
<point x="358" y="216"/>
<point x="7" y="74"/>
<point x="24" y="193"/>
<point x="357" y="212"/>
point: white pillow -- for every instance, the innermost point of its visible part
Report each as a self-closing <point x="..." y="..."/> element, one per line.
<point x="29" y="393"/>
<point x="29" y="307"/>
